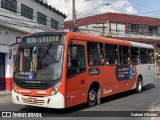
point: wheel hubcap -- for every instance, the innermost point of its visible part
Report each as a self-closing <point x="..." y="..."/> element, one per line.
<point x="140" y="86"/>
<point x="92" y="95"/>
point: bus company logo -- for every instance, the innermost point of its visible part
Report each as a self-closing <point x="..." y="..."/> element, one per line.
<point x="6" y="114"/>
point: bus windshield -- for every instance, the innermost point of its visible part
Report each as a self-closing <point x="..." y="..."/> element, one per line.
<point x="43" y="61"/>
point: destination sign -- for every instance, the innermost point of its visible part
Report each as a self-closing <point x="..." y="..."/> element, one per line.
<point x="41" y="39"/>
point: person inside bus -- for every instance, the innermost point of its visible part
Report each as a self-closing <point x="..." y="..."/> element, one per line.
<point x="102" y="60"/>
<point x="138" y="60"/>
<point x="115" y="60"/>
<point x="74" y="62"/>
<point x="151" y="60"/>
<point x="128" y="59"/>
<point x="107" y="62"/>
<point x="33" y="63"/>
<point x="90" y="62"/>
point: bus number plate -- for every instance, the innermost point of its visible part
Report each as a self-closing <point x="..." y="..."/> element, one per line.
<point x="32" y="99"/>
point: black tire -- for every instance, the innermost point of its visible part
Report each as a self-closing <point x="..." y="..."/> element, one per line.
<point x="92" y="97"/>
<point x="139" y="85"/>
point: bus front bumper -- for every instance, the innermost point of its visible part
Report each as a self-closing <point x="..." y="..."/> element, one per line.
<point x="55" y="101"/>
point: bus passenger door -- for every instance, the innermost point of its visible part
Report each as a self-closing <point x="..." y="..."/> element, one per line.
<point x="76" y="72"/>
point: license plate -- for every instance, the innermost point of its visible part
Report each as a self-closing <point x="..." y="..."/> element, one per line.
<point x="32" y="99"/>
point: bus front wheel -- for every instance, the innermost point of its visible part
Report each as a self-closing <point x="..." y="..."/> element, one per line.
<point x="139" y="85"/>
<point x="92" y="97"/>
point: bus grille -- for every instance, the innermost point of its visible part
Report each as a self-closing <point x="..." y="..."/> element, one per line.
<point x="34" y="86"/>
<point x="37" y="102"/>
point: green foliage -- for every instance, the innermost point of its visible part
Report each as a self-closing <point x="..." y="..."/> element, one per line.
<point x="157" y="58"/>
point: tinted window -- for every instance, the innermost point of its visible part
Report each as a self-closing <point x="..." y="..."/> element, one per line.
<point x="95" y="54"/>
<point x="111" y="54"/>
<point x="144" y="55"/>
<point x="124" y="55"/>
<point x="135" y="55"/>
<point x="151" y="56"/>
<point x="75" y="60"/>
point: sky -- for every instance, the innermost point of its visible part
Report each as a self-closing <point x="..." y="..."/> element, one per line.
<point x="91" y="7"/>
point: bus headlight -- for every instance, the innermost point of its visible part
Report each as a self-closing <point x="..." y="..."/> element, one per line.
<point x="55" y="88"/>
<point x="14" y="87"/>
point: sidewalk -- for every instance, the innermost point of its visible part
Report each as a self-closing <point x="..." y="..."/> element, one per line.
<point x="5" y="97"/>
<point x="157" y="76"/>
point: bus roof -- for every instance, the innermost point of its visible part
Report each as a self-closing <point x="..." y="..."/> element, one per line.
<point x="92" y="38"/>
<point x="136" y="44"/>
<point x="107" y="40"/>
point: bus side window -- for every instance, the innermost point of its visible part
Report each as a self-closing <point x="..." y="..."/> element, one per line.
<point x="151" y="56"/>
<point x="124" y="55"/>
<point x="95" y="54"/>
<point x="111" y="54"/>
<point x="135" y="55"/>
<point x="75" y="60"/>
<point x="144" y="55"/>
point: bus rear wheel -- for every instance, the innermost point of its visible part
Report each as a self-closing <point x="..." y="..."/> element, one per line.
<point x="92" y="97"/>
<point x="139" y="85"/>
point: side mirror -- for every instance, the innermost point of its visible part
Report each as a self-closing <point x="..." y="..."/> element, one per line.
<point x="18" y="39"/>
<point x="10" y="53"/>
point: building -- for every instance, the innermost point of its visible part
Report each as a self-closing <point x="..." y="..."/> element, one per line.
<point x="19" y="17"/>
<point x="122" y="26"/>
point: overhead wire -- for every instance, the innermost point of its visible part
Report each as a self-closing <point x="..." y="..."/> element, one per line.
<point x="149" y="22"/>
<point x="25" y="20"/>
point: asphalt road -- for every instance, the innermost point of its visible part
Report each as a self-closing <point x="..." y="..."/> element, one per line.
<point x="148" y="100"/>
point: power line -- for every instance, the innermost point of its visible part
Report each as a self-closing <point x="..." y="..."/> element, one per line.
<point x="142" y="5"/>
<point x="31" y="27"/>
<point x="47" y="27"/>
<point x="63" y="8"/>
<point x="23" y="20"/>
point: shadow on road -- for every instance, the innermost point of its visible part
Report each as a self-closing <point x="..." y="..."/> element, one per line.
<point x="127" y="93"/>
<point x="148" y="87"/>
<point x="54" y="111"/>
<point x="61" y="112"/>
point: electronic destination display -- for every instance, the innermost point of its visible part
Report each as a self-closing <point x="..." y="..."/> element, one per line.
<point x="41" y="39"/>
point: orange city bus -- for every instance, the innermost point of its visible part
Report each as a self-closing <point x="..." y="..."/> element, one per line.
<point x="64" y="69"/>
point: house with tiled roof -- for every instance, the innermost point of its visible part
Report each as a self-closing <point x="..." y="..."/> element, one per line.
<point x="122" y="26"/>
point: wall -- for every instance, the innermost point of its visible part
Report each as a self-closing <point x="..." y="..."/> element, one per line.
<point x="13" y="20"/>
<point x="44" y="10"/>
<point x="13" y="25"/>
<point x="8" y="36"/>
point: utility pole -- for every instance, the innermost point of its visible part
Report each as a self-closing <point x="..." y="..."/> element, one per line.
<point x="74" y="16"/>
<point x="103" y="28"/>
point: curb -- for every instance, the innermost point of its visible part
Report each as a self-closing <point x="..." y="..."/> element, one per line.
<point x="5" y="97"/>
<point x="5" y="93"/>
